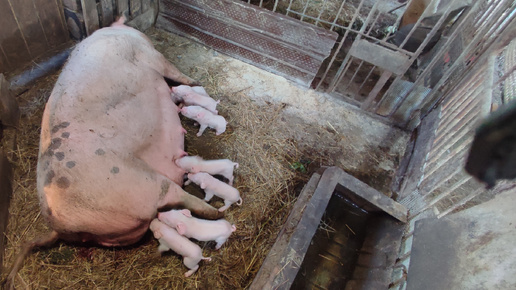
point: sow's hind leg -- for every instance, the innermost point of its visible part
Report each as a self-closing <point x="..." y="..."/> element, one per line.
<point x="157" y="61"/>
<point x="172" y="195"/>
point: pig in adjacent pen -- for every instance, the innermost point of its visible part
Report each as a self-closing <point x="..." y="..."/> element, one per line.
<point x="199" y="229"/>
<point x="110" y="135"/>
<point x="212" y="186"/>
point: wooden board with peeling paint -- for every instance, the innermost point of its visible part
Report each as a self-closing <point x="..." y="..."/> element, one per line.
<point x="268" y="40"/>
<point x="28" y="29"/>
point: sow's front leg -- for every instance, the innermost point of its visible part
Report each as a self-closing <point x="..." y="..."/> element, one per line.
<point x="176" y="197"/>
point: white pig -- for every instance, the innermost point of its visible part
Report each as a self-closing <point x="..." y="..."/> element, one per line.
<point x="170" y="239"/>
<point x="195" y="164"/>
<point x="199" y="229"/>
<point x="212" y="186"/>
<point x="194" y="96"/>
<point x="205" y="118"/>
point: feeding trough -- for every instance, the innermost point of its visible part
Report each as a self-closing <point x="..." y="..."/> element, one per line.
<point x="360" y="249"/>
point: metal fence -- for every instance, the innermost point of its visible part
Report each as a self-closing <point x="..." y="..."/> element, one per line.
<point x="383" y="70"/>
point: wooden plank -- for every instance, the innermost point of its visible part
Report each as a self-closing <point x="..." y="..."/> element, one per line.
<point x="52" y="22"/>
<point x="28" y="22"/>
<point x="123" y="7"/>
<point x="271" y="41"/>
<point x="74" y="5"/>
<point x="146" y="4"/>
<point x="6" y="179"/>
<point x="135" y="7"/>
<point x="380" y="56"/>
<point x="4" y="65"/>
<point x="91" y="16"/>
<point x="107" y="12"/>
<point x="13" y="45"/>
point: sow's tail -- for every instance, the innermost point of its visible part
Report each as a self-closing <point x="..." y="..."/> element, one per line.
<point x="120" y="22"/>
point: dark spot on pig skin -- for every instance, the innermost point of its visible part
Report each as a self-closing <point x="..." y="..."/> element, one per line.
<point x="49" y="211"/>
<point x="60" y="155"/>
<point x="63" y="182"/>
<point x="115" y="170"/>
<point x="65" y="135"/>
<point x="50" y="175"/>
<point x="56" y="143"/>
<point x="100" y="152"/>
<point x="60" y="126"/>
<point x="165" y="185"/>
<point x="70" y="164"/>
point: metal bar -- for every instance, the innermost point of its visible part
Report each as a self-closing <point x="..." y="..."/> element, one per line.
<point x="275" y="6"/>
<point x="435" y="60"/>
<point x="454" y="130"/>
<point x="288" y="8"/>
<point x="338" y="77"/>
<point x="374" y="22"/>
<point x="386" y="75"/>
<point x="320" y="13"/>
<point x="427" y="185"/>
<point x="446" y="193"/>
<point x="398" y="21"/>
<point x="463" y="148"/>
<point x="416" y="25"/>
<point x="430" y="103"/>
<point x="337" y="16"/>
<point x="339" y="47"/>
<point x="304" y="10"/>
<point x="377" y="41"/>
<point x="462" y="202"/>
<point x="416" y="54"/>
<point x="354" y="75"/>
<point x="367" y="77"/>
<point x="461" y="99"/>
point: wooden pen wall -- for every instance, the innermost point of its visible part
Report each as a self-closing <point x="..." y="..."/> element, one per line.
<point x="29" y="29"/>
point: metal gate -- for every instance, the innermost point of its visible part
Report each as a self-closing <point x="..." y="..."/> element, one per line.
<point x="389" y="73"/>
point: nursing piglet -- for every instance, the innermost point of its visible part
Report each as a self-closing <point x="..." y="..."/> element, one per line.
<point x="194" y="96"/>
<point x="205" y="118"/>
<point x="195" y="164"/>
<point x="212" y="186"/>
<point x="199" y="229"/>
<point x="170" y="239"/>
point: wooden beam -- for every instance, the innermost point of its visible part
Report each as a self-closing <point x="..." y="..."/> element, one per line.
<point x="91" y="16"/>
<point x="107" y="12"/>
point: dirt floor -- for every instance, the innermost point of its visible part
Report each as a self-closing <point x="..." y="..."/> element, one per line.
<point x="277" y="132"/>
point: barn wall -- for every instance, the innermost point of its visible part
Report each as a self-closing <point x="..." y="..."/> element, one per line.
<point x="29" y="29"/>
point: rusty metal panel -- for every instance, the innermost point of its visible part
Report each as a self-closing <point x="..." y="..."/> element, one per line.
<point x="380" y="56"/>
<point x="265" y="39"/>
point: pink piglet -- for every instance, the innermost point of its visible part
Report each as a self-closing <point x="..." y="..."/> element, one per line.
<point x="212" y="186"/>
<point x="170" y="239"/>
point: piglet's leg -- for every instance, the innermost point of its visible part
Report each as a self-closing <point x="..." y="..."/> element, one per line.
<point x="187" y="261"/>
<point x="201" y="130"/>
<point x="177" y="197"/>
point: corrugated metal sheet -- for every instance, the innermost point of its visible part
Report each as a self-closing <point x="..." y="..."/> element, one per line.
<point x="270" y="41"/>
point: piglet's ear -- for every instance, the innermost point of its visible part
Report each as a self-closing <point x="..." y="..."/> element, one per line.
<point x="181" y="228"/>
<point x="186" y="212"/>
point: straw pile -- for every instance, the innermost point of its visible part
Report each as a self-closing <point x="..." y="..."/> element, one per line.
<point x="266" y="179"/>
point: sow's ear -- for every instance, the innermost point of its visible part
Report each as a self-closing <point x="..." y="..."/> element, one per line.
<point x="181" y="228"/>
<point x="186" y="212"/>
